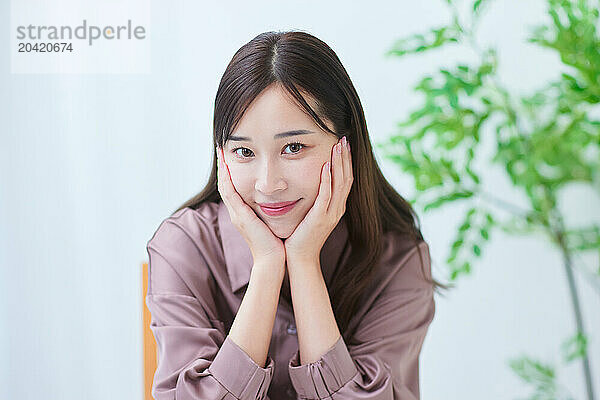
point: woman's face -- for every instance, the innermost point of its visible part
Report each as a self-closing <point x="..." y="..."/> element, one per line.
<point x="266" y="168"/>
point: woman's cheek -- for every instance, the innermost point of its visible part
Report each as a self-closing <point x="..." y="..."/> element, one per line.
<point x="310" y="177"/>
<point x="238" y="177"/>
<point x="315" y="169"/>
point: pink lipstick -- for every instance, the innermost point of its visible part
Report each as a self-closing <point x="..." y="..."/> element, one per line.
<point x="275" y="209"/>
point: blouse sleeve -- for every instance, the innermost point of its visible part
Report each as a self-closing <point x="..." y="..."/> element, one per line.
<point x="195" y="359"/>
<point x="383" y="361"/>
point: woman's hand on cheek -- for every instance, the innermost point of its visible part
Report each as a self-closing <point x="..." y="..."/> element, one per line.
<point x="305" y="243"/>
<point x="264" y="245"/>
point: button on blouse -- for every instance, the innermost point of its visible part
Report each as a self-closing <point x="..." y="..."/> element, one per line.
<point x="291" y="329"/>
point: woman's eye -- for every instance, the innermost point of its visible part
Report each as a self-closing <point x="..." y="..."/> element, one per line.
<point x="294" y="145"/>
<point x="242" y="148"/>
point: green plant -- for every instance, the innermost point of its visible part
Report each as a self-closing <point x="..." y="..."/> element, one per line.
<point x="544" y="142"/>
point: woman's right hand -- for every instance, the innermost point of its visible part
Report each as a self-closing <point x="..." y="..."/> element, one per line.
<point x="264" y="245"/>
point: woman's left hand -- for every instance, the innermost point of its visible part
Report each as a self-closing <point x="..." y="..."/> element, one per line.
<point x="308" y="238"/>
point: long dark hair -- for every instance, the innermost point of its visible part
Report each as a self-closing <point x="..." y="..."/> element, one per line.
<point x="301" y="63"/>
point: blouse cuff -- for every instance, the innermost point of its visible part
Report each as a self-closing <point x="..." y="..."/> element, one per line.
<point x="322" y="378"/>
<point x="239" y="374"/>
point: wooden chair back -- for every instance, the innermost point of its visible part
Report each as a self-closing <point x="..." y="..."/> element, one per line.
<point x="149" y="341"/>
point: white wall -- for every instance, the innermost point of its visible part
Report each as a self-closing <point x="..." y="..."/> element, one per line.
<point x="90" y="165"/>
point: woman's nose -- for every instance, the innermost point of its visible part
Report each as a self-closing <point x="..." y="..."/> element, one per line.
<point x="269" y="179"/>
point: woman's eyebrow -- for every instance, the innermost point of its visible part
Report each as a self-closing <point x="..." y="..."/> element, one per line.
<point x="294" y="132"/>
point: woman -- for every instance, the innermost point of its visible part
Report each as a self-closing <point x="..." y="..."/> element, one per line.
<point x="298" y="271"/>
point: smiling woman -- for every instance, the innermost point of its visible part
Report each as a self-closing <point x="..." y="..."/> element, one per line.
<point x="295" y="203"/>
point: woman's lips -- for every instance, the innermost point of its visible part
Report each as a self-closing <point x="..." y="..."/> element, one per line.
<point x="279" y="210"/>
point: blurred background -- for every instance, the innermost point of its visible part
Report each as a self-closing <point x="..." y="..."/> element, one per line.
<point x="93" y="158"/>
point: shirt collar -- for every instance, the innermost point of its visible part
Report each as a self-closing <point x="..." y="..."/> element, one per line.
<point x="238" y="257"/>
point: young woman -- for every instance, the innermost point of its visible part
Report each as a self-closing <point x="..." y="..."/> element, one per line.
<point x="298" y="271"/>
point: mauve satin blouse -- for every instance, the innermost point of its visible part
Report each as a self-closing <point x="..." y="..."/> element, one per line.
<point x="199" y="268"/>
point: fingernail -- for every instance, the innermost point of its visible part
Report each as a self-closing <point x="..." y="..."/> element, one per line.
<point x="338" y="147"/>
<point x="344" y="141"/>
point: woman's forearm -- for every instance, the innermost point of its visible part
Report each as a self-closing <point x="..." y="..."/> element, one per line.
<point x="315" y="320"/>
<point x="253" y="323"/>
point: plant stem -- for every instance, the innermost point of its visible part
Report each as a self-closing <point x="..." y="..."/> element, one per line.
<point x="592" y="278"/>
<point x="517" y="210"/>
<point x="559" y="235"/>
<point x="521" y="212"/>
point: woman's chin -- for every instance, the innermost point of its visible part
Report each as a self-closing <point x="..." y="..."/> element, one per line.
<point x="282" y="231"/>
